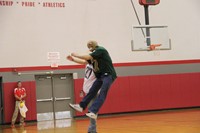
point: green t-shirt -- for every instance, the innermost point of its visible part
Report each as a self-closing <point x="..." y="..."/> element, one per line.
<point x="103" y="62"/>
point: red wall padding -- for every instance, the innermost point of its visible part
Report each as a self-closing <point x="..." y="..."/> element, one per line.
<point x="9" y="100"/>
<point x="127" y="94"/>
<point x="152" y="92"/>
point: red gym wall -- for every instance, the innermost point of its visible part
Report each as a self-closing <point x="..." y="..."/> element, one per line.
<point x="9" y="101"/>
<point x="139" y="93"/>
<point x="127" y="94"/>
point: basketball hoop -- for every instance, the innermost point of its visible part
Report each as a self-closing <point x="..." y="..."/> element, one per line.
<point x="153" y="46"/>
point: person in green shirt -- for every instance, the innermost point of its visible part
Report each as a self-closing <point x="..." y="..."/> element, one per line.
<point x="105" y="74"/>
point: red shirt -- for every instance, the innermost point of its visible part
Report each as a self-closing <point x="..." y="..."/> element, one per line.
<point x="19" y="92"/>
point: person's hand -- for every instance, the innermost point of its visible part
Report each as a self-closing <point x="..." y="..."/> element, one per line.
<point x="69" y="57"/>
<point x="74" y="54"/>
<point x="20" y="99"/>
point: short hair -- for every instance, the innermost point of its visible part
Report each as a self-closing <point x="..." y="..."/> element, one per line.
<point x="92" y="43"/>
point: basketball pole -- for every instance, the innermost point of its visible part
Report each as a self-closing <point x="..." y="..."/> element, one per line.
<point x="146" y="11"/>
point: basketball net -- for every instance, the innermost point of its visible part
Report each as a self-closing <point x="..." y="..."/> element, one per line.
<point x="155" y="48"/>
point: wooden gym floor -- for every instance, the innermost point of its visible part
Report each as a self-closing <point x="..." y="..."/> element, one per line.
<point x="167" y="121"/>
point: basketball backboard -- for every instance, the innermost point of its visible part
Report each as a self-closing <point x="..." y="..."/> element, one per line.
<point x="144" y="36"/>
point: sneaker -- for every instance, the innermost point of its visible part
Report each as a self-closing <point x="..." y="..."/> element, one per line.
<point x="22" y="124"/>
<point x="12" y="126"/>
<point x="77" y="107"/>
<point x="91" y="115"/>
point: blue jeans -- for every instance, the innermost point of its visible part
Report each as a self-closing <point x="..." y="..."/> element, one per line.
<point x="92" y="126"/>
<point x="103" y="83"/>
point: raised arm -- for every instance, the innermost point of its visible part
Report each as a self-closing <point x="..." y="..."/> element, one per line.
<point x="76" y="60"/>
<point x="83" y="57"/>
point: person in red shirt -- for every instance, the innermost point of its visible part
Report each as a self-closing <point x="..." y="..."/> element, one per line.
<point x="20" y="94"/>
